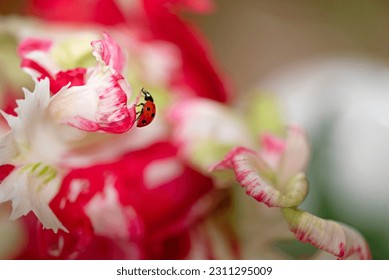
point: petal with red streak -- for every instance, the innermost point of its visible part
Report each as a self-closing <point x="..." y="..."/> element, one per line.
<point x="162" y="212"/>
<point x="99" y="105"/>
<point x="295" y="157"/>
<point x="336" y="238"/>
<point x="259" y="180"/>
<point x="109" y="52"/>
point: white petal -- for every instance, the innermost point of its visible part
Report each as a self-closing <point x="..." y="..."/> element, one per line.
<point x="8" y="149"/>
<point x="159" y="172"/>
<point x="205" y="130"/>
<point x="159" y="61"/>
<point x="296" y="155"/>
<point x="109" y="217"/>
<point x="29" y="192"/>
<point x="34" y="136"/>
<point x="30" y="110"/>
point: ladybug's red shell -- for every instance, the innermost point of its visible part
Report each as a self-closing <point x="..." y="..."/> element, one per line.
<point x="147" y="114"/>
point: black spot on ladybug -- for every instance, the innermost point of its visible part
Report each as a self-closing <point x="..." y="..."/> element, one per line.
<point x="147" y="112"/>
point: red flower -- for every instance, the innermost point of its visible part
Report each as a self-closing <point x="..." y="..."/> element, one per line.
<point x="145" y="203"/>
<point x="99" y="11"/>
<point x="158" y="20"/>
<point x="150" y="212"/>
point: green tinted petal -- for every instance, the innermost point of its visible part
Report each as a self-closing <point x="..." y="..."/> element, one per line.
<point x="263" y="114"/>
<point x="336" y="238"/>
<point x="75" y="53"/>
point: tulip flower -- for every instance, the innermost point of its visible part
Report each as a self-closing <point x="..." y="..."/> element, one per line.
<point x="86" y="183"/>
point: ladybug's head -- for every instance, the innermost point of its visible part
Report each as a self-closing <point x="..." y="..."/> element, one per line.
<point x="147" y="94"/>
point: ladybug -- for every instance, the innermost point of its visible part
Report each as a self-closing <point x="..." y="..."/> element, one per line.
<point x="147" y="113"/>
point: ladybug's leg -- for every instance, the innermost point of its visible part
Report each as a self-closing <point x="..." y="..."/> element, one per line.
<point x="139" y="114"/>
<point x="137" y="105"/>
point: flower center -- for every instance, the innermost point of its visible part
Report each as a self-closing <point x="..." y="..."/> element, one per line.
<point x="40" y="171"/>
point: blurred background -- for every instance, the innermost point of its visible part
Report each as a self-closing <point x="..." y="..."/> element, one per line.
<point x="255" y="39"/>
<point x="327" y="64"/>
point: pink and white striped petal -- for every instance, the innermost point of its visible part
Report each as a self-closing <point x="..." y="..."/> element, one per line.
<point x="34" y="44"/>
<point x="294" y="158"/>
<point x="272" y="148"/>
<point x="36" y="59"/>
<point x="99" y="105"/>
<point x="260" y="181"/>
<point x="109" y="52"/>
<point x="338" y="239"/>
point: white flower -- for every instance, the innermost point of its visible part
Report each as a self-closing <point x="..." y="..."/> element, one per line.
<point x="35" y="179"/>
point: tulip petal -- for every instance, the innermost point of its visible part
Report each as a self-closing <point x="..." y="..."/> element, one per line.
<point x="29" y="113"/>
<point x="336" y="238"/>
<point x="272" y="149"/>
<point x="109" y="52"/>
<point x="33" y="44"/>
<point x="8" y="149"/>
<point x="31" y="189"/>
<point x="295" y="156"/>
<point x="205" y="131"/>
<point x="35" y="55"/>
<point x="109" y="217"/>
<point x="251" y="171"/>
<point x="99" y="105"/>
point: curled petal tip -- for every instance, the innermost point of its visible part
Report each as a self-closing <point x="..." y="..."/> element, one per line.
<point x="253" y="174"/>
<point x="335" y="238"/>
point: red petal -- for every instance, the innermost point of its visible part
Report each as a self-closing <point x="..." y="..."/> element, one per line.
<point x="5" y="170"/>
<point x="32" y="44"/>
<point x="76" y="77"/>
<point x="163" y="211"/>
<point x="199" y="70"/>
<point x="100" y="11"/>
